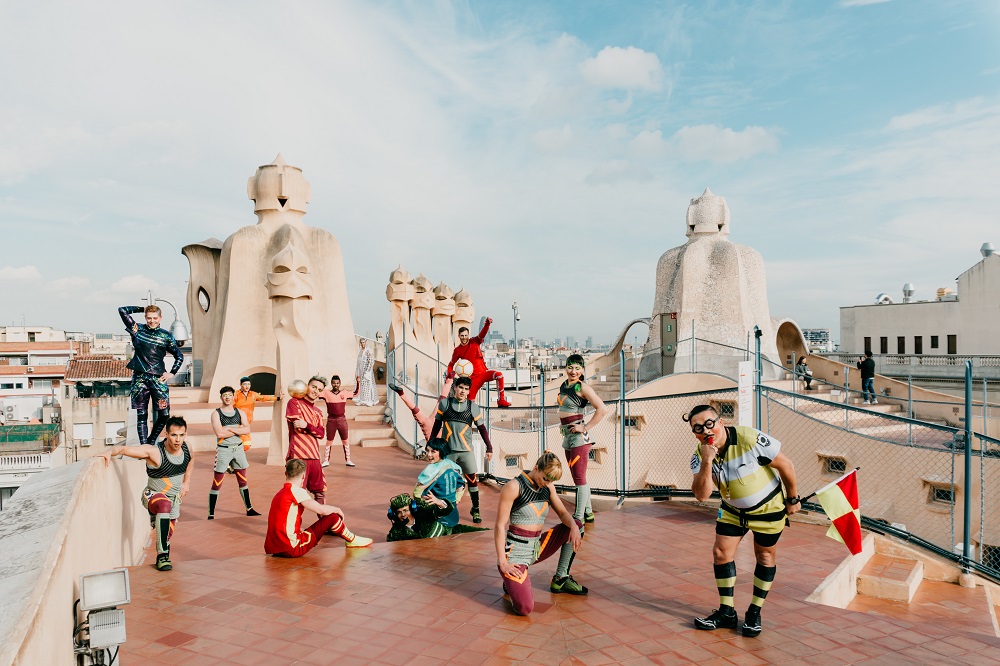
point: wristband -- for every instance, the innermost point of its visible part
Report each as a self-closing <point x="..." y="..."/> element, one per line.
<point x="792" y="501"/>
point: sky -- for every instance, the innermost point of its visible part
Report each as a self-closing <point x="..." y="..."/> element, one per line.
<point x="537" y="152"/>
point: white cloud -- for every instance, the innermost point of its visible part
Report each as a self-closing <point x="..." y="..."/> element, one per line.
<point x="711" y="143"/>
<point x="134" y="285"/>
<point x="628" y="68"/>
<point x="616" y="171"/>
<point x="553" y="140"/>
<point x="69" y="286"/>
<point x="20" y="274"/>
<point x="648" y="143"/>
<point x="943" y="114"/>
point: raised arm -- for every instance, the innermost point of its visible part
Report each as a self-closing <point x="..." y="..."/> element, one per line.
<point x="126" y="312"/>
<point x="483" y="331"/>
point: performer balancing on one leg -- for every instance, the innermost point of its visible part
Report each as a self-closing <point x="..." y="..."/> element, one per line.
<point x="471" y="350"/>
<point x="149" y="376"/>
<point x="524" y="503"/>
<point x="573" y="398"/>
<point x="424" y="419"/>
<point x="168" y="468"/>
<point x="336" y="418"/>
<point x="229" y="424"/>
<point x="285" y="536"/>
<point x="305" y="431"/>
<point x="458" y="415"/>
<point x="748" y="468"/>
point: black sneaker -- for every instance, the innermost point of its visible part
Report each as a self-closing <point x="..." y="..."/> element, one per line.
<point x="567" y="584"/>
<point x="251" y="512"/>
<point x="723" y="618"/>
<point x="751" y="623"/>
<point x="163" y="562"/>
<point x="476" y="516"/>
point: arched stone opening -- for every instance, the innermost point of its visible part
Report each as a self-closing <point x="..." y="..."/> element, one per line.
<point x="791" y="343"/>
<point x="262" y="379"/>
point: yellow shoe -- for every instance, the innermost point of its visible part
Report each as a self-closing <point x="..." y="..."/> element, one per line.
<point x="358" y="542"/>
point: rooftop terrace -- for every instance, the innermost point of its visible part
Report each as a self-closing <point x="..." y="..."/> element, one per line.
<point x="437" y="601"/>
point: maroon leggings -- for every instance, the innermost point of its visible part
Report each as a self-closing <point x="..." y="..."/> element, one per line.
<point x="519" y="588"/>
<point x="333" y="523"/>
<point x="577" y="458"/>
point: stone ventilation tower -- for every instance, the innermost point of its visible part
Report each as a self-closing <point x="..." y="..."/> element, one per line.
<point x="713" y="286"/>
<point x="271" y="299"/>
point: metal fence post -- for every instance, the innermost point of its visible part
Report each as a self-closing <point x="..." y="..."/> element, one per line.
<point x="986" y="405"/>
<point x="416" y="403"/>
<point x="541" y="405"/>
<point x="909" y="408"/>
<point x="967" y="495"/>
<point x="404" y="357"/>
<point x="621" y="423"/>
<point x="847" y="397"/>
<point x="758" y="417"/>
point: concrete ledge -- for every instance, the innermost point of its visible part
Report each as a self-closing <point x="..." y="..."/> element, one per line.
<point x="892" y="578"/>
<point x="60" y="524"/>
<point x="840" y="587"/>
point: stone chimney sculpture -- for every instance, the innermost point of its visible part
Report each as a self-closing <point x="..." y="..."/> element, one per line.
<point x="273" y="298"/>
<point x="714" y="287"/>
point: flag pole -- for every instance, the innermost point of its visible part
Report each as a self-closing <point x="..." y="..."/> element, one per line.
<point x="832" y="483"/>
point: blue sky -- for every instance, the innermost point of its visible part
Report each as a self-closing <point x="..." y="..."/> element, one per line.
<point x="538" y="152"/>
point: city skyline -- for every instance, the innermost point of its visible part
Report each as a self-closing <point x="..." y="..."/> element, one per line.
<point x="855" y="142"/>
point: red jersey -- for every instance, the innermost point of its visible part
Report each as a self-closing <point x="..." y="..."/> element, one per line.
<point x="304" y="444"/>
<point x="284" y="521"/>
<point x="472" y="351"/>
<point x="336" y="403"/>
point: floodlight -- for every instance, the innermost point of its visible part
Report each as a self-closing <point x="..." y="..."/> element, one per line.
<point x="104" y="589"/>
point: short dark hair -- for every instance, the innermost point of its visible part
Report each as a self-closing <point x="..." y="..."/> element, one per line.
<point x="439" y="445"/>
<point x="294" y="468"/>
<point x="868" y="353"/>
<point x="575" y="359"/>
<point x="227" y="389"/>
<point x="698" y="410"/>
<point x="244" y="379"/>
<point x="337" y="377"/>
<point x="464" y="381"/>
<point x="176" y="422"/>
<point x="463" y="328"/>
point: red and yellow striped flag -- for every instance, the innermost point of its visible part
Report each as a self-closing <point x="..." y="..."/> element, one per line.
<point x="840" y="501"/>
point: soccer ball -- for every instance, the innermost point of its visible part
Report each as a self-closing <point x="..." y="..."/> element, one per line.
<point x="297" y="389"/>
<point x="463" y="367"/>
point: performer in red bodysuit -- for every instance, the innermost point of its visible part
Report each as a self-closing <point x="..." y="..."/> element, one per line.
<point x="470" y="350"/>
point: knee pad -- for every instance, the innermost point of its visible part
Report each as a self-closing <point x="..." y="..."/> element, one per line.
<point x="472" y="480"/>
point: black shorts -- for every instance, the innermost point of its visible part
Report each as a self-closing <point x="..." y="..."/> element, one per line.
<point x="764" y="540"/>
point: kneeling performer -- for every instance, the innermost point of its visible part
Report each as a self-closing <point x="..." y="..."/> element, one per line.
<point x="524" y="503"/>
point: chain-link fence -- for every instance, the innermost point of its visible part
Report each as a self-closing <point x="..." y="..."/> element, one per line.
<point x="29" y="438"/>
<point x="912" y="481"/>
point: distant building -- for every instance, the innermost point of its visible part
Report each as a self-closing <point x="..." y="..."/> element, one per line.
<point x="963" y="322"/>
<point x="589" y="343"/>
<point x="494" y="337"/>
<point x="818" y="339"/>
<point x="95" y="404"/>
<point x="31" y="374"/>
<point x="31" y="334"/>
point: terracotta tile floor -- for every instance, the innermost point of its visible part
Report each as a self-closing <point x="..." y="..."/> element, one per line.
<point x="438" y="601"/>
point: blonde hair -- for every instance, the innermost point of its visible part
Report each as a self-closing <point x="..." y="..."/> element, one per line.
<point x="152" y="308"/>
<point x="550" y="466"/>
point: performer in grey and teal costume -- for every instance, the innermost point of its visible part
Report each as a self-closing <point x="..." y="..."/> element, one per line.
<point x="443" y="479"/>
<point x="149" y="375"/>
<point x="457" y="416"/>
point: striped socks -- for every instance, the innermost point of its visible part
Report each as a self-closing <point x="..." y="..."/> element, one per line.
<point x="725" y="580"/>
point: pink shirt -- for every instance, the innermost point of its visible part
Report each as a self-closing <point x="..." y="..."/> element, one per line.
<point x="336" y="403"/>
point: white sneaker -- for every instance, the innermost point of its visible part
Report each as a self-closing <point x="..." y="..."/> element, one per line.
<point x="326" y="463"/>
<point x="866" y="402"/>
<point x="874" y="401"/>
